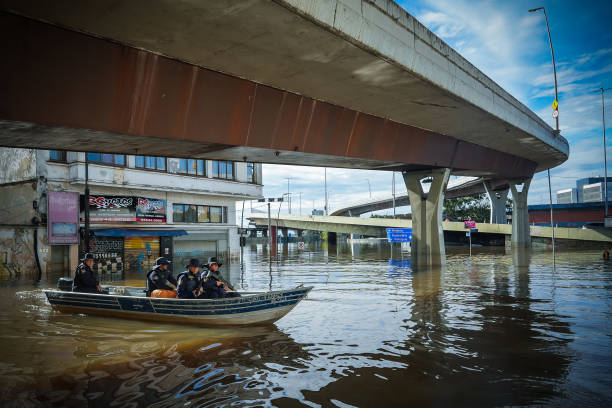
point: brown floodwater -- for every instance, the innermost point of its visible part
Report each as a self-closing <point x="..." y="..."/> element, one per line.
<point x="496" y="329"/>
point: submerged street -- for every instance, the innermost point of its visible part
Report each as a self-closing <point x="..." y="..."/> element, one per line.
<point x="494" y="329"/>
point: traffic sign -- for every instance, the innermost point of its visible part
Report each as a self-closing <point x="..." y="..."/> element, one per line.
<point x="555" y="105"/>
<point x="555" y="114"/>
<point x="467" y="233"/>
<point x="300" y="245"/>
<point x="399" y="234"/>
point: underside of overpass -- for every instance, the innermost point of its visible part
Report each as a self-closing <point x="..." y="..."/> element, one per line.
<point x="346" y="83"/>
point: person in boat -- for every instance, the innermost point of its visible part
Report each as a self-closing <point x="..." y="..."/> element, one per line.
<point x="160" y="277"/>
<point x="189" y="286"/>
<point x="85" y="278"/>
<point x="213" y="285"/>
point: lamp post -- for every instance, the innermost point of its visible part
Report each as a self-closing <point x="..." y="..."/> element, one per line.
<point x="86" y="204"/>
<point x="556" y="115"/>
<point x="288" y="196"/>
<point x="393" y="193"/>
<point x="603" y="119"/>
<point x="369" y="188"/>
<point x="326" y="191"/>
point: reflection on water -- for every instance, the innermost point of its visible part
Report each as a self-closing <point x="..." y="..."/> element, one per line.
<point x="495" y="329"/>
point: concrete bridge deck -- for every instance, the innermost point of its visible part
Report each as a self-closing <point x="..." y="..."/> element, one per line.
<point x="377" y="227"/>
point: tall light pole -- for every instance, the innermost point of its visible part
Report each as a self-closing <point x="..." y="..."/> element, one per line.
<point x="369" y="188"/>
<point x="603" y="119"/>
<point x="556" y="116"/>
<point x="288" y="194"/>
<point x="300" y="194"/>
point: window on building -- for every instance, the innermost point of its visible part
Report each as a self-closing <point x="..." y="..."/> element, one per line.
<point x="178" y="213"/>
<point x="251" y="173"/>
<point x="115" y="159"/>
<point x="150" y="162"/>
<point x="57" y="155"/>
<point x="192" y="166"/>
<point x="202" y="214"/>
<point x="216" y="214"/>
<point x="223" y="169"/>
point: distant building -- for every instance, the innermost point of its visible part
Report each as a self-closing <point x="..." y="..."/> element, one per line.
<point x="318" y="212"/>
<point x="587" y="190"/>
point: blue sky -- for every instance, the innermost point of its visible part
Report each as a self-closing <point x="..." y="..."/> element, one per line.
<point x="510" y="45"/>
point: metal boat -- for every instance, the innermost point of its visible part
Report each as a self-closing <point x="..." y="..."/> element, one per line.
<point x="131" y="302"/>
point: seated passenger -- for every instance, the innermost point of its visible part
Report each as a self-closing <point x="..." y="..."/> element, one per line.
<point x="85" y="278"/>
<point x="160" y="277"/>
<point x="214" y="287"/>
<point x="189" y="281"/>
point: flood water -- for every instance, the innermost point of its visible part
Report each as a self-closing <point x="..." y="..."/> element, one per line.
<point x="491" y="330"/>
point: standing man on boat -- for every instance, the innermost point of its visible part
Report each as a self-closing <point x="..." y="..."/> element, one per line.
<point x="85" y="278"/>
<point x="189" y="281"/>
<point x="160" y="277"/>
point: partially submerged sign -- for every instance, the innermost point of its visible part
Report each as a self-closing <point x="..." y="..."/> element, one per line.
<point x="399" y="234"/>
<point x="469" y="224"/>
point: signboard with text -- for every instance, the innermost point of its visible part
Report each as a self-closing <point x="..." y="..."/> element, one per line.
<point x="63" y="218"/>
<point x="104" y="208"/>
<point x="399" y="234"/>
<point x="469" y="224"/>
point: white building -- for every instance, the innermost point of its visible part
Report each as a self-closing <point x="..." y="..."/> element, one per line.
<point x="568" y="196"/>
<point x="140" y="208"/>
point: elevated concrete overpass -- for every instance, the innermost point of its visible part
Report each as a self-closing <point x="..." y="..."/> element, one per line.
<point x="345" y="83"/>
<point x="376" y="227"/>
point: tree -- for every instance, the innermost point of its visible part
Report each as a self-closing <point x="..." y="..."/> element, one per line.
<point x="474" y="207"/>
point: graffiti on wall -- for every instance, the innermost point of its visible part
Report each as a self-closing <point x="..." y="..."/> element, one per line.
<point x="17" y="259"/>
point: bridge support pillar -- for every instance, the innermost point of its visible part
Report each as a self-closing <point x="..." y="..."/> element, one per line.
<point x="521" y="236"/>
<point x="427" y="247"/>
<point x="332" y="238"/>
<point x="497" y="199"/>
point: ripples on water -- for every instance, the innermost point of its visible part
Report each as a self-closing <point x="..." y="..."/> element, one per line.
<point x="495" y="329"/>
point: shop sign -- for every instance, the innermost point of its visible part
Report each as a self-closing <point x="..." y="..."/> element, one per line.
<point x="63" y="218"/>
<point x="103" y="208"/>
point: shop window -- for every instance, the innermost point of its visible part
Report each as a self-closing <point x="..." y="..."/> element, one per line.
<point x="178" y="213"/>
<point x="150" y="162"/>
<point x="105" y="158"/>
<point x="223" y="169"/>
<point x="57" y="155"/>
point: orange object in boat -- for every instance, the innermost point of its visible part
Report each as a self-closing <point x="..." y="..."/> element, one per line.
<point x="163" y="293"/>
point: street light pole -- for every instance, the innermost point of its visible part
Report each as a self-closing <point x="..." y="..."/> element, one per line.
<point x="86" y="204"/>
<point x="603" y="119"/>
<point x="557" y="131"/>
<point x="326" y="191"/>
<point x="288" y="194"/>
<point x="369" y="188"/>
<point x="393" y="192"/>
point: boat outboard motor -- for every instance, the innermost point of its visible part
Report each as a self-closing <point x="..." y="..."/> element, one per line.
<point x="65" y="284"/>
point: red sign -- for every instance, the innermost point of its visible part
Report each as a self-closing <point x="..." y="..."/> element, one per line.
<point x="469" y="224"/>
<point x="63" y="218"/>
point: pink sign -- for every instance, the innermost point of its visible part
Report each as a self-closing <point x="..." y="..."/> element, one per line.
<point x="63" y="218"/>
<point x="469" y="224"/>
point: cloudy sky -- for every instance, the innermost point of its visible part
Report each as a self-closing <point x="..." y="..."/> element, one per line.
<point x="510" y="45"/>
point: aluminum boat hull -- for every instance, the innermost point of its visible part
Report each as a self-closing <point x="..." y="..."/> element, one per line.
<point x="249" y="309"/>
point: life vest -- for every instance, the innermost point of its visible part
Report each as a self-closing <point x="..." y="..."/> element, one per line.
<point x="163" y="293"/>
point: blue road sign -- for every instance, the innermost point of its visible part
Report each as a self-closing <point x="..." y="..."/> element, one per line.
<point x="473" y="230"/>
<point x="399" y="234"/>
<point x="467" y="233"/>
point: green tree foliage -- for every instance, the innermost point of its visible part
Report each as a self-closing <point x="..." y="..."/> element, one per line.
<point x="474" y="207"/>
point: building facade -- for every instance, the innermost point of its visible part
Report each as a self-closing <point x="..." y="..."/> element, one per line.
<point x="140" y="207"/>
<point x="587" y="190"/>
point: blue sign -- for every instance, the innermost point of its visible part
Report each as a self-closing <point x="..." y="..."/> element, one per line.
<point x="399" y="234"/>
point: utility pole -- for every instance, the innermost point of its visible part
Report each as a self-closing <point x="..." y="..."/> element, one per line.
<point x="326" y="191"/>
<point x="86" y="204"/>
<point x="369" y="188"/>
<point x="556" y="116"/>
<point x="269" y="228"/>
<point x="289" y="194"/>
<point x="393" y="193"/>
<point x="300" y="194"/>
<point x="603" y="119"/>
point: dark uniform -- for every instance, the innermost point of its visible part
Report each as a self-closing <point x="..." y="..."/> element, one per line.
<point x="158" y="278"/>
<point x="85" y="279"/>
<point x="211" y="289"/>
<point x="187" y="283"/>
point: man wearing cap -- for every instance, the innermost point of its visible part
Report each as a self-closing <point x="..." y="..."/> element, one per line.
<point x="85" y="278"/>
<point x="160" y="277"/>
<point x="189" y="281"/>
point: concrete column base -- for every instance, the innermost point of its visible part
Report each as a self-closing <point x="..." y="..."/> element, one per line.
<point x="497" y="199"/>
<point x="427" y="247"/>
<point x="521" y="235"/>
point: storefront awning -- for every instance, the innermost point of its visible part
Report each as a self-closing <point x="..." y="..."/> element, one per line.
<point x="118" y="232"/>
